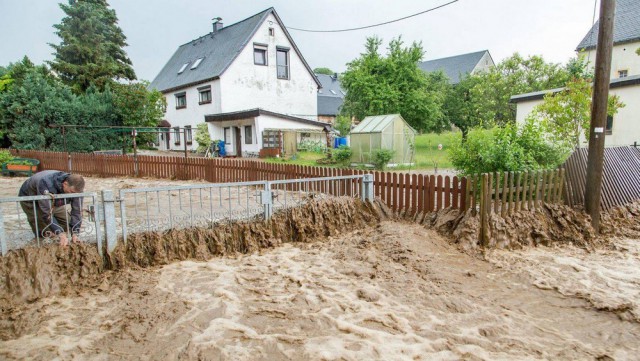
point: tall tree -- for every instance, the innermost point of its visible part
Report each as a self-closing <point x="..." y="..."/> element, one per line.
<point x="514" y="75"/>
<point x="377" y="84"/>
<point x="91" y="51"/>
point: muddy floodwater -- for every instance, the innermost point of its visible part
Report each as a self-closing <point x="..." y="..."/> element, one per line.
<point x="383" y="290"/>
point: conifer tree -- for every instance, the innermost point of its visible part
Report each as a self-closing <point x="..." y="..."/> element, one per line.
<point x="92" y="46"/>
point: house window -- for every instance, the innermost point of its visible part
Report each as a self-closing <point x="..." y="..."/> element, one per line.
<point x="181" y="100"/>
<point x="196" y="63"/>
<point x="609" y="128"/>
<point x="176" y="135"/>
<point x="205" y="94"/>
<point x="227" y="135"/>
<point x="187" y="131"/>
<point x="184" y="66"/>
<point x="248" y="135"/>
<point x="271" y="32"/>
<point x="282" y="62"/>
<point x="259" y="54"/>
<point x="623" y="73"/>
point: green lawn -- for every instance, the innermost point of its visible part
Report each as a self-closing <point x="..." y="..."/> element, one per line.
<point x="427" y="157"/>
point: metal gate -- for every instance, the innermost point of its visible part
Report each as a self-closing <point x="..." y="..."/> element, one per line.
<point x="174" y="207"/>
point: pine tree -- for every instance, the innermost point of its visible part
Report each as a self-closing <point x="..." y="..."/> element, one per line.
<point x="91" y="51"/>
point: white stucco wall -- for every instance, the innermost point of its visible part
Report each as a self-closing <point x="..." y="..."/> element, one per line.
<point x="626" y="123"/>
<point x="623" y="57"/>
<point x="193" y="114"/>
<point x="245" y="85"/>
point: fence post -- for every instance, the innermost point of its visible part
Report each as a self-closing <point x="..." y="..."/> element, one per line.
<point x="267" y="201"/>
<point x="485" y="187"/>
<point x="3" y="237"/>
<point x="123" y="217"/>
<point x="367" y="187"/>
<point x="108" y="202"/>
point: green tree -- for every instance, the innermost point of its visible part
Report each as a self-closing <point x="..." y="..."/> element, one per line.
<point x="566" y="114"/>
<point x="343" y="125"/>
<point x="514" y="75"/>
<point x="325" y="71"/>
<point x="389" y="84"/>
<point x="136" y="106"/>
<point x="92" y="45"/>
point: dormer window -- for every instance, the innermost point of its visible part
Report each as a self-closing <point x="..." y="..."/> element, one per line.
<point x="260" y="54"/>
<point x="184" y="66"/>
<point x="196" y="63"/>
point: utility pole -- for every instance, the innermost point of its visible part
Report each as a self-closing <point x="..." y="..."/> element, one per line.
<point x="595" y="161"/>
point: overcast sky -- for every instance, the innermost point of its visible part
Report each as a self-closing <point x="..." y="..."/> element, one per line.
<point x="155" y="28"/>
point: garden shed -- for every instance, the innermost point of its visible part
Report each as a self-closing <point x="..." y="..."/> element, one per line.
<point x="388" y="131"/>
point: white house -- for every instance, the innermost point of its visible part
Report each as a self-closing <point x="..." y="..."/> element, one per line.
<point x="240" y="79"/>
<point x="623" y="128"/>
<point x="458" y="66"/>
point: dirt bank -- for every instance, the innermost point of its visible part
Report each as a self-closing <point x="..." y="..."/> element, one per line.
<point x="550" y="225"/>
<point x="32" y="273"/>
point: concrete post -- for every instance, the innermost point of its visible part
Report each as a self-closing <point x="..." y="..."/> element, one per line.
<point x="3" y="237"/>
<point x="108" y="202"/>
<point x="367" y="188"/>
<point x="267" y="201"/>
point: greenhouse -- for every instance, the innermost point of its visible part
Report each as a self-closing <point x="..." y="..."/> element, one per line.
<point x="389" y="131"/>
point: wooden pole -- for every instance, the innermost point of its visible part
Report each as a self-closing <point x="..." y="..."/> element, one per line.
<point x="184" y="136"/>
<point x="595" y="160"/>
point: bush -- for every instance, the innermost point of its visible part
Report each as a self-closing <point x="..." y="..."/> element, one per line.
<point x="315" y="146"/>
<point x="5" y="156"/>
<point x="509" y="148"/>
<point x="381" y="158"/>
<point x="202" y="137"/>
<point x="342" y="154"/>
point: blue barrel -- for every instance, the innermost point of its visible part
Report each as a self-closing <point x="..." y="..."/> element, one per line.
<point x="221" y="151"/>
<point x="338" y="141"/>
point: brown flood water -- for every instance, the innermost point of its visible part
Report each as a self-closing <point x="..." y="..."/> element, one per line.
<point x="356" y="285"/>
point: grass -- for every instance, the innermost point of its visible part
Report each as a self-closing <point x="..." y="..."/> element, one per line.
<point x="427" y="156"/>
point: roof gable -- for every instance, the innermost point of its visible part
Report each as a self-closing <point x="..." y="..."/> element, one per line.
<point x="626" y="26"/>
<point x="454" y="66"/>
<point x="217" y="51"/>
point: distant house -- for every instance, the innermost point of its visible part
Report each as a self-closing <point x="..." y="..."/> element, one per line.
<point x="623" y="128"/>
<point x="458" y="66"/>
<point x="626" y="40"/>
<point x="241" y="79"/>
<point x="330" y="97"/>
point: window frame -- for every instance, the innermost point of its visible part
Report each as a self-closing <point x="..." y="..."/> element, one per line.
<point x="197" y="63"/>
<point x="176" y="133"/>
<point x="287" y="66"/>
<point x="608" y="128"/>
<point x="189" y="134"/>
<point x="264" y="49"/>
<point x="178" y="96"/>
<point x="204" y="90"/>
<point x="248" y="138"/>
<point x="623" y="73"/>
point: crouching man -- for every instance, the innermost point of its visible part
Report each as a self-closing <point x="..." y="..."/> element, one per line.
<point x="54" y="217"/>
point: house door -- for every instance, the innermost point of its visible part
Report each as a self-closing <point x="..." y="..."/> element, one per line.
<point x="238" y="141"/>
<point x="167" y="144"/>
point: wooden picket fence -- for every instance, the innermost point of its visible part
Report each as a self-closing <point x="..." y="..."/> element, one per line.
<point x="510" y="192"/>
<point x="404" y="193"/>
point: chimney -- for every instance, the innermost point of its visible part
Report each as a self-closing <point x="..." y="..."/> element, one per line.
<point x="334" y="76"/>
<point x="217" y="24"/>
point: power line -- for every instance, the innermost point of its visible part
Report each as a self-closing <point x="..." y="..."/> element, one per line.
<point x="374" y="25"/>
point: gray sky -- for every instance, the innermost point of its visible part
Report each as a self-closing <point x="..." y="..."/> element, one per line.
<point x="155" y="28"/>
